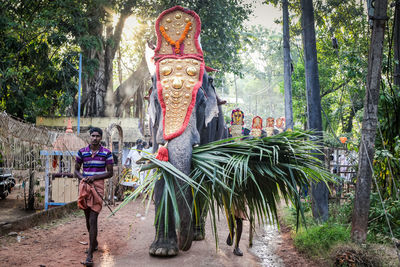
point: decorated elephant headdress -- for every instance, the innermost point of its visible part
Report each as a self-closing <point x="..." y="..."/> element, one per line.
<point x="179" y="69"/>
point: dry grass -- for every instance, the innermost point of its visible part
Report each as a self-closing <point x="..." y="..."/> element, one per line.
<point x="371" y="255"/>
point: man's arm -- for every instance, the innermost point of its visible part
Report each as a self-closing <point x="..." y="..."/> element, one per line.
<point x="77" y="171"/>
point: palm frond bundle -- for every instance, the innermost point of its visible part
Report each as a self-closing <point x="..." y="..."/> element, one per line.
<point x="250" y="175"/>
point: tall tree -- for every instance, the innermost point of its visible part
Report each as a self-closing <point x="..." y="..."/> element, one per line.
<point x="97" y="88"/>
<point x="359" y="224"/>
<point x="287" y="66"/>
<point x="396" y="43"/>
<point x="319" y="191"/>
<point x="35" y="48"/>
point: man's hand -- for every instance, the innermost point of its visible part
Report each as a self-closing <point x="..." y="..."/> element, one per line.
<point x="89" y="179"/>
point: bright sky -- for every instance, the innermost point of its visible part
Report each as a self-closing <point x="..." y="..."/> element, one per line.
<point x="265" y="15"/>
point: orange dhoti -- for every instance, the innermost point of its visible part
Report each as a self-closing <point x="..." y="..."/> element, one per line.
<point x="91" y="195"/>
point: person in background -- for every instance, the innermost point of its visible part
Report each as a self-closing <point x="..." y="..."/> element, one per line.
<point x="133" y="156"/>
<point x="130" y="156"/>
<point x="97" y="164"/>
<point x="147" y="147"/>
<point x="239" y="217"/>
<point x="141" y="175"/>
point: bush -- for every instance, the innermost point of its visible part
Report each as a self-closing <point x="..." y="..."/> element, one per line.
<point x="378" y="229"/>
<point x="318" y="239"/>
<point x="331" y="240"/>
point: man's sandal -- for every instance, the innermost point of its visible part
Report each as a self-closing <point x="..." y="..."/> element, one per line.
<point x="87" y="262"/>
<point x="237" y="252"/>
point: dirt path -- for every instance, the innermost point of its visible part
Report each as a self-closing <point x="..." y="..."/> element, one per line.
<point x="124" y="240"/>
<point x="13" y="206"/>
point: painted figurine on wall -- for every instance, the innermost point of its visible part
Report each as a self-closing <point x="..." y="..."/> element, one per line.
<point x="237" y="122"/>
<point x="256" y="128"/>
<point x="269" y="127"/>
<point x="280" y="124"/>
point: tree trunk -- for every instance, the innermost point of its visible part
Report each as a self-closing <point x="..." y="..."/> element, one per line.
<point x="108" y="77"/>
<point x="319" y="191"/>
<point x="133" y="88"/>
<point x="119" y="59"/>
<point x="236" y="90"/>
<point x="287" y="70"/>
<point x="97" y="89"/>
<point x="93" y="87"/>
<point x="359" y="222"/>
<point x="397" y="44"/>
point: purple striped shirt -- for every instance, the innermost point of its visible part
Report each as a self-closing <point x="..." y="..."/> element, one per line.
<point x="96" y="164"/>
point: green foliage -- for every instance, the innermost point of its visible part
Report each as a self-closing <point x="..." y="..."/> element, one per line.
<point x="319" y="239"/>
<point x="289" y="217"/>
<point x="341" y="214"/>
<point x="342" y="72"/>
<point x="387" y="155"/>
<point x="34" y="50"/>
<point x="261" y="75"/>
<point x="378" y="229"/>
<point x="253" y="173"/>
<point x="38" y="38"/>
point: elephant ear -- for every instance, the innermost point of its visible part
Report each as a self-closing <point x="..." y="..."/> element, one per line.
<point x="153" y="102"/>
<point x="211" y="102"/>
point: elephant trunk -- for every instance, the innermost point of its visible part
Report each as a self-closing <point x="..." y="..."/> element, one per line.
<point x="180" y="155"/>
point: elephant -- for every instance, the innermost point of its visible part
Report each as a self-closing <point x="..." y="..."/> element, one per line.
<point x="206" y="124"/>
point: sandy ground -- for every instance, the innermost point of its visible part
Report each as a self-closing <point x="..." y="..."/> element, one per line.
<point x="13" y="207"/>
<point x="124" y="240"/>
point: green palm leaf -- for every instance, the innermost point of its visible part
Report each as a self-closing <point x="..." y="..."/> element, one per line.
<point x="234" y="174"/>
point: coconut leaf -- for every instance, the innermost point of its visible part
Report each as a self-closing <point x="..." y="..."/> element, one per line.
<point x="251" y="174"/>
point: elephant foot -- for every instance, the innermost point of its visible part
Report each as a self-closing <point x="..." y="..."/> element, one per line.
<point x="163" y="249"/>
<point x="198" y="234"/>
<point x="185" y="238"/>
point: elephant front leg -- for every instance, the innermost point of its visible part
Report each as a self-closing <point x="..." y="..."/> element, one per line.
<point x="186" y="226"/>
<point x="165" y="241"/>
<point x="199" y="217"/>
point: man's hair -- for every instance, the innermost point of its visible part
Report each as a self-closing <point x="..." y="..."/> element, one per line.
<point x="96" y="129"/>
<point x="139" y="147"/>
<point x="139" y="141"/>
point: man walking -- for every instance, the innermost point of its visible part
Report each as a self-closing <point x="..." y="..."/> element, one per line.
<point x="97" y="165"/>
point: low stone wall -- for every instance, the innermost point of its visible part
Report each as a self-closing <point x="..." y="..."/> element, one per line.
<point x="37" y="218"/>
